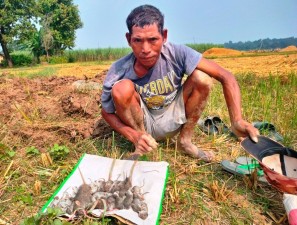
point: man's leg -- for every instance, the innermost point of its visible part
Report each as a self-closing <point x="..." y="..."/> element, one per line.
<point x="129" y="112"/>
<point x="127" y="104"/>
<point x="196" y="90"/>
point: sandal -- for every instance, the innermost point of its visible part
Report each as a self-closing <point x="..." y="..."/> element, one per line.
<point x="269" y="130"/>
<point x="220" y="125"/>
<point x="245" y="160"/>
<point x="243" y="170"/>
<point x="250" y="163"/>
<point x="212" y="125"/>
<point x="234" y="168"/>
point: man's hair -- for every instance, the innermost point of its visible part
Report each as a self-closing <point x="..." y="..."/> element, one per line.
<point x="145" y="15"/>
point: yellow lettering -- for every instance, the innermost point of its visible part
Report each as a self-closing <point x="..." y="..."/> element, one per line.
<point x="145" y="88"/>
<point x="160" y="86"/>
<point x="153" y="87"/>
<point x="167" y="84"/>
<point x="139" y="88"/>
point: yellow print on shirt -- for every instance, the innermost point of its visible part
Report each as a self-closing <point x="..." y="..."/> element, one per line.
<point x="155" y="101"/>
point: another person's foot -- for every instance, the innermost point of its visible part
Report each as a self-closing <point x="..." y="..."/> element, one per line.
<point x="194" y="152"/>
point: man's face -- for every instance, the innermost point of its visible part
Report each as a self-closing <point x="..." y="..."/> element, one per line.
<point x="146" y="44"/>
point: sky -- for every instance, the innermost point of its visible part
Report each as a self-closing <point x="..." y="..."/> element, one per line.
<point x="189" y="21"/>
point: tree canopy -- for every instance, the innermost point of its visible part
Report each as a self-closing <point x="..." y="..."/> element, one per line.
<point x="62" y="19"/>
<point x="57" y="21"/>
<point x="16" y="22"/>
<point x="262" y="44"/>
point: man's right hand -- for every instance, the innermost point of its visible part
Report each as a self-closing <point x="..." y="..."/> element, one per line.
<point x="144" y="144"/>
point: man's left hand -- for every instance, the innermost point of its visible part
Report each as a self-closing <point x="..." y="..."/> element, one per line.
<point x="242" y="128"/>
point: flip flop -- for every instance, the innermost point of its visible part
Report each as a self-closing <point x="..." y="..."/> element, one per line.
<point x="212" y="125"/>
<point x="234" y="168"/>
<point x="244" y="160"/>
<point x="269" y="130"/>
<point x="220" y="125"/>
<point x="207" y="126"/>
<point x="243" y="170"/>
<point x="278" y="162"/>
<point x="251" y="163"/>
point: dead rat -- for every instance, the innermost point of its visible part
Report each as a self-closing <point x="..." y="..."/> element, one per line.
<point x="100" y="204"/>
<point x="137" y="193"/>
<point x="83" y="198"/>
<point x="128" y="199"/>
<point x="117" y="186"/>
<point x="143" y="213"/>
<point x="100" y="195"/>
<point x="110" y="203"/>
<point x="98" y="186"/>
<point x="119" y="200"/>
<point x="136" y="205"/>
<point x="108" y="185"/>
<point x="127" y="183"/>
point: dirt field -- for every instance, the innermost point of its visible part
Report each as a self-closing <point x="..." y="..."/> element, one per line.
<point x="43" y="100"/>
<point x="260" y="65"/>
<point x="42" y="111"/>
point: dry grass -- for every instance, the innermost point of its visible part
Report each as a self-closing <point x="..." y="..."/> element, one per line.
<point x="196" y="192"/>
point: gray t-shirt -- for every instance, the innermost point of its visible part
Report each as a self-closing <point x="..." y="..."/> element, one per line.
<point x="159" y="86"/>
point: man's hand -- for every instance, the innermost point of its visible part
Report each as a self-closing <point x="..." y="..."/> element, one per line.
<point x="145" y="143"/>
<point x="242" y="128"/>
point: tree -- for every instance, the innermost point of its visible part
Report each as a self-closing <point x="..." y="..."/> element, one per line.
<point x="64" y="21"/>
<point x="15" y="22"/>
<point x="47" y="36"/>
<point x="35" y="45"/>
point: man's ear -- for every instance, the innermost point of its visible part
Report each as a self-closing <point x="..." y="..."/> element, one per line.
<point x="165" y="32"/>
<point x="128" y="37"/>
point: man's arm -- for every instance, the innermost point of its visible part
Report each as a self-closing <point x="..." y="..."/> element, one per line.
<point x="232" y="96"/>
<point x="114" y="121"/>
<point x="143" y="142"/>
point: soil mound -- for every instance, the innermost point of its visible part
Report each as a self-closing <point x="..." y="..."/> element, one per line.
<point x="289" y="48"/>
<point x="221" y="52"/>
<point x="43" y="111"/>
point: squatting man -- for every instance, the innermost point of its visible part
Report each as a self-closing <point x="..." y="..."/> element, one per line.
<point x="145" y="97"/>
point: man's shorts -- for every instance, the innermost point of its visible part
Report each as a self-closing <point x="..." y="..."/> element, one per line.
<point x="167" y="122"/>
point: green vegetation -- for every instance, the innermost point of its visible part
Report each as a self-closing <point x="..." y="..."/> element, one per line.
<point x="196" y="192"/>
<point x="203" y="47"/>
<point x="6" y="152"/>
<point x="47" y="29"/>
<point x="59" y="152"/>
<point x="99" y="54"/>
<point x="267" y="43"/>
<point x="32" y="151"/>
<point x="47" y="218"/>
<point x="58" y="21"/>
<point x="24" y="58"/>
<point x="16" y="20"/>
<point x="271" y="98"/>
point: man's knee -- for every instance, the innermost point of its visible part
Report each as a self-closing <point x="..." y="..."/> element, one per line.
<point x="199" y="82"/>
<point x="123" y="89"/>
<point x="202" y="80"/>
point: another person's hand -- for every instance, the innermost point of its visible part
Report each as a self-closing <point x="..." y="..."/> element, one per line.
<point x="242" y="128"/>
<point x="145" y="143"/>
